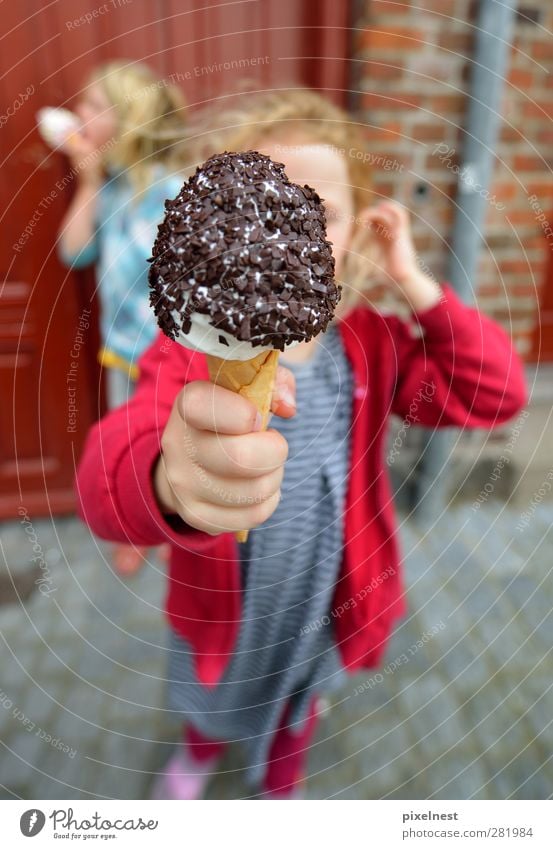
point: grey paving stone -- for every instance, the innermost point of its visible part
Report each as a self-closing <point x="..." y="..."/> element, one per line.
<point x="12" y="621"/>
<point x="20" y="756"/>
<point x="373" y="745"/>
<point x="66" y="778"/>
<point x="524" y="778"/>
<point x="82" y="713"/>
<point x="458" y="662"/>
<point x="431" y="708"/>
<point x="38" y="706"/>
<point x="383" y="768"/>
<point x="125" y="765"/>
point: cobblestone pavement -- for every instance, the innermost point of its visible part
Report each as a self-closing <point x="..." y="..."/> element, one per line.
<point x="461" y="708"/>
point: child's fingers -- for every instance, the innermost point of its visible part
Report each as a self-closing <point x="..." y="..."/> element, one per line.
<point x="239" y="492"/>
<point x="390" y="221"/>
<point x="370" y="215"/>
<point x="205" y="406"/>
<point x="240" y="456"/>
<point x="213" y="519"/>
<point x="75" y="145"/>
<point x="388" y="217"/>
<point x="394" y="208"/>
<point x="380" y="222"/>
<point x="396" y="216"/>
<point x="284" y="394"/>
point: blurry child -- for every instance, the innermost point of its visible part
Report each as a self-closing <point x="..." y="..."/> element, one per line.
<point x="122" y="158"/>
<point x="260" y="631"/>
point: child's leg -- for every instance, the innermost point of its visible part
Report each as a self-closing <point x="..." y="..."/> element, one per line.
<point x="189" y="770"/>
<point x="201" y="748"/>
<point x="126" y="559"/>
<point x="288" y="754"/>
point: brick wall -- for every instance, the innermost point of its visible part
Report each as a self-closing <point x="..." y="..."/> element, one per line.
<point x="413" y="70"/>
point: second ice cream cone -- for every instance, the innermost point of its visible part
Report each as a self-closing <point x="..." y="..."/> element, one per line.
<point x="253" y="379"/>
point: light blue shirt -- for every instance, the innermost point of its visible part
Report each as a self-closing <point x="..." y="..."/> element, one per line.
<point x="120" y="247"/>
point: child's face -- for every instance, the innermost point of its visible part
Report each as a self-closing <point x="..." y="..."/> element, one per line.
<point x="97" y="114"/>
<point x="325" y="169"/>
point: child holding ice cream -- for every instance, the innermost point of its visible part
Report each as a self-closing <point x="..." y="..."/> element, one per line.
<point x="260" y="630"/>
<point x="123" y="156"/>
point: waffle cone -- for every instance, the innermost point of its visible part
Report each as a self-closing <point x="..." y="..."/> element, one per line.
<point x="253" y="379"/>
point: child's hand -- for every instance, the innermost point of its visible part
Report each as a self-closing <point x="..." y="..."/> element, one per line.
<point x="84" y="157"/>
<point x="215" y="471"/>
<point x="391" y="229"/>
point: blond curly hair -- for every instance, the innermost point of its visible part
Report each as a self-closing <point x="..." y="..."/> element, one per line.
<point x="150" y="119"/>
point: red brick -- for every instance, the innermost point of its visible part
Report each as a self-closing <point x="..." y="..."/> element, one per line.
<point x="372" y="100"/>
<point x="542" y="189"/>
<point x="430" y="132"/>
<point x="504" y="191"/>
<point x="383" y="188"/>
<point x="522" y="162"/>
<point x="521" y="216"/>
<point x="514" y="266"/>
<point x="384" y="7"/>
<point x="545" y="134"/>
<point x="432" y="163"/>
<point x="443" y="188"/>
<point x="387" y="132"/>
<point x="493" y="290"/>
<point x="540" y="109"/>
<point x="385" y="70"/>
<point x="423" y="241"/>
<point x="510" y="134"/>
<point x="522" y="290"/>
<point x="535" y="242"/>
<point x="521" y="79"/>
<point x="392" y="39"/>
<point x="447" y="104"/>
<point x="513" y="315"/>
<point x="458" y="42"/>
<point x="496" y="241"/>
<point x="445" y="7"/>
<point x="542" y="50"/>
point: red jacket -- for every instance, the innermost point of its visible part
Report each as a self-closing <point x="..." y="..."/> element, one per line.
<point x="462" y="371"/>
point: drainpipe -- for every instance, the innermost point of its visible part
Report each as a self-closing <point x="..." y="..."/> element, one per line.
<point x="493" y="36"/>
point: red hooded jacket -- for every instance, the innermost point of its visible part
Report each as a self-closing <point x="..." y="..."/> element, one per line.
<point x="459" y="369"/>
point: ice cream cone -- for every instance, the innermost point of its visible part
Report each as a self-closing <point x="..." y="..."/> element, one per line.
<point x="253" y="379"/>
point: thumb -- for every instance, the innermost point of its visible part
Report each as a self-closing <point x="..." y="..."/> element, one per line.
<point x="284" y="393"/>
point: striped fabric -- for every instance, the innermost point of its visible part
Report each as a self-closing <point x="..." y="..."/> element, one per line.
<point x="285" y="649"/>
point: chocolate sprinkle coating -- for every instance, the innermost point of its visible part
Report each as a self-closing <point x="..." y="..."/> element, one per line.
<point x="243" y="245"/>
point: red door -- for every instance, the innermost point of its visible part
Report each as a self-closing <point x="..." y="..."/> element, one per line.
<point x="49" y="380"/>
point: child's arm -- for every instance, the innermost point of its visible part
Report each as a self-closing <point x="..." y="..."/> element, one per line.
<point x="76" y="239"/>
<point x="213" y="476"/>
<point x="464" y="370"/>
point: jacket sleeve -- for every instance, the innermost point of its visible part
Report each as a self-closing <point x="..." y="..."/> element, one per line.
<point x="115" y="493"/>
<point x="462" y="370"/>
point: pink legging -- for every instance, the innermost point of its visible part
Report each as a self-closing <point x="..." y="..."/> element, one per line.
<point x="287" y="754"/>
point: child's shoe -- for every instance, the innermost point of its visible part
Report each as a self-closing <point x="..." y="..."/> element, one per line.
<point x="183" y="777"/>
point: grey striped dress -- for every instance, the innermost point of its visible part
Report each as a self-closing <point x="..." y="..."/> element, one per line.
<point x="289" y="567"/>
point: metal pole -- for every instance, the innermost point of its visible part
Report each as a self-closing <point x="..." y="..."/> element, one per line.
<point x="493" y="36"/>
